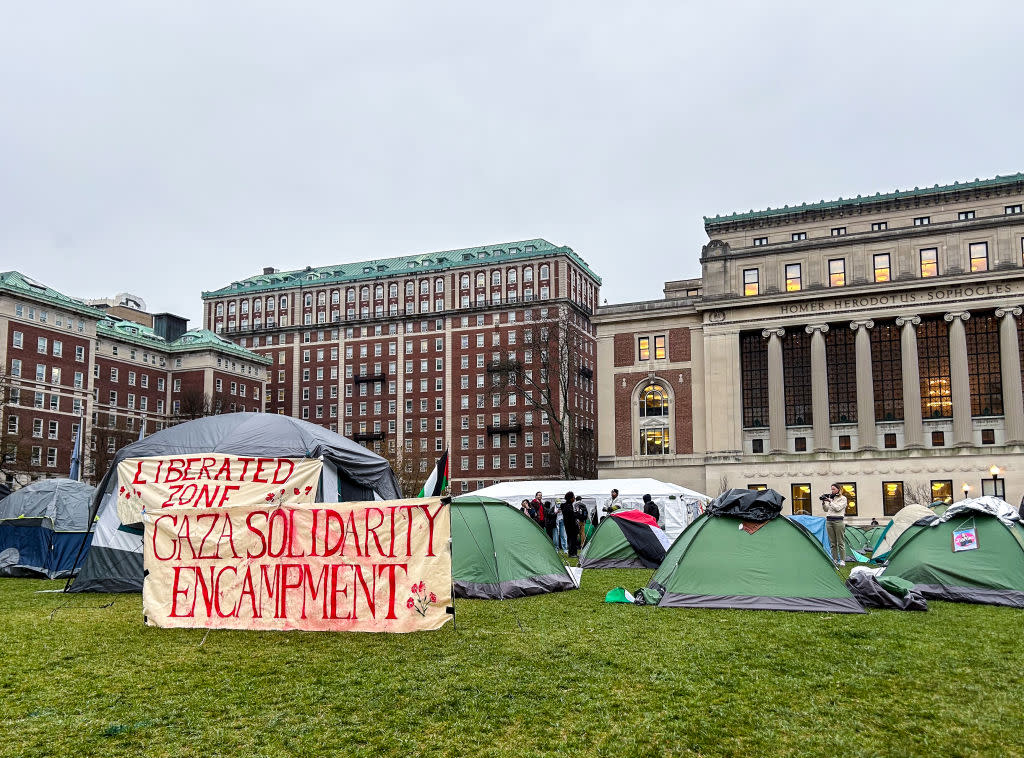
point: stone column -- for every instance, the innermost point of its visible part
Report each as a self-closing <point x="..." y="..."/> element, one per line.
<point x="913" y="431"/>
<point x="1009" y="363"/>
<point x="866" y="432"/>
<point x="959" y="379"/>
<point x="776" y="393"/>
<point x="819" y="389"/>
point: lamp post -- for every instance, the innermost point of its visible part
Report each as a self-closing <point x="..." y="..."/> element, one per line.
<point x="996" y="481"/>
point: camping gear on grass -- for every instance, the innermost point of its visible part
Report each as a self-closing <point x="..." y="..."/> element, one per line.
<point x="499" y="553"/>
<point x="45" y="523"/>
<point x="898" y="524"/>
<point x="619" y="595"/>
<point x="972" y="553"/>
<point x="885" y="592"/>
<point x="350" y="473"/>
<point x="629" y="539"/>
<point x="726" y="559"/>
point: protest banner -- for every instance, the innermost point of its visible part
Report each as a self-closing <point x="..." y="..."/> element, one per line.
<point x="381" y="566"/>
<point x="212" y="480"/>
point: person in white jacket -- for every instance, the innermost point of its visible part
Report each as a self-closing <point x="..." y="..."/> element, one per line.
<point x="835" y="504"/>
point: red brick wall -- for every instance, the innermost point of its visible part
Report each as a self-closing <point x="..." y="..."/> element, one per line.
<point x="625" y="355"/>
<point x="679" y="344"/>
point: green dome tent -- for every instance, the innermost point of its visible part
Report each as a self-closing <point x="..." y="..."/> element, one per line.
<point x="972" y="553"/>
<point x="905" y="518"/>
<point x="498" y="552"/>
<point x="860" y="539"/>
<point x="740" y="554"/>
<point x="628" y="539"/>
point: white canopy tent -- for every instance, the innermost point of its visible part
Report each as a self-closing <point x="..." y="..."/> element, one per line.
<point x="678" y="505"/>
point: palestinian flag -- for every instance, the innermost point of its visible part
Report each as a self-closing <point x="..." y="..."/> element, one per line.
<point x="628" y="539"/>
<point x="438" y="480"/>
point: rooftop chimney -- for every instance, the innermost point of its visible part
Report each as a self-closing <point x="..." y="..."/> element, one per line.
<point x="269" y="270"/>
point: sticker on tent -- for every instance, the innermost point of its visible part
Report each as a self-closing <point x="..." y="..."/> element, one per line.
<point x="382" y="566"/>
<point x="212" y="480"/>
<point x="965" y="539"/>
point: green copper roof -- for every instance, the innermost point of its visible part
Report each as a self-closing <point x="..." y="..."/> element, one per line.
<point x="17" y="283"/>
<point x="864" y="200"/>
<point x="191" y="341"/>
<point x="375" y="269"/>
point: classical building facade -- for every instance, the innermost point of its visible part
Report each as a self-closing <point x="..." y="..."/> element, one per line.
<point x="872" y="341"/>
<point x="63" y="363"/>
<point x="413" y="355"/>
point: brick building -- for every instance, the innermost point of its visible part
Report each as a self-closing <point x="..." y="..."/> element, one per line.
<point x="416" y="354"/>
<point x="62" y="362"/>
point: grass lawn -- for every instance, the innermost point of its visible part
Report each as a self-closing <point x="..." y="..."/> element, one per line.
<point x="562" y="674"/>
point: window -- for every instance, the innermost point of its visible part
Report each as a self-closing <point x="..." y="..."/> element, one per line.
<point x="757" y="446"/>
<point x="800" y="444"/>
<point x="985" y="375"/>
<point x="887" y="371"/>
<point x="879" y="226"/>
<point x="933" y="367"/>
<point x="754" y="379"/>
<point x="41" y="345"/>
<point x="892" y="498"/>
<point x="659" y="347"/>
<point x="653" y="401"/>
<point x="51" y="457"/>
<point x="796" y="371"/>
<point x="794" y="281"/>
<point x="988" y="436"/>
<point x="644" y="345"/>
<point x="797" y="236"/>
<point x="844" y="441"/>
<point x="750" y="281"/>
<point x="1010" y="210"/>
<point x="837" y="272"/>
<point x="922" y="220"/>
<point x="838" y="231"/>
<point x="52" y="432"/>
<point x="883" y="271"/>
<point x="849" y="489"/>
<point x="15" y="367"/>
<point x="654" y="441"/>
<point x="942" y="490"/>
<point x="759" y="241"/>
<point x="18" y="339"/>
<point x="929" y="262"/>
<point x="890" y="440"/>
<point x="938" y="439"/>
<point x="840" y="352"/>
<point x="979" y="256"/>
<point x="801" y="499"/>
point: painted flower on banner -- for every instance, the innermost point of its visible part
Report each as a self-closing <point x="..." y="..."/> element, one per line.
<point x="421" y="600"/>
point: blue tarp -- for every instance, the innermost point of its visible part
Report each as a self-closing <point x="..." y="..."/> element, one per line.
<point x="816" y="526"/>
<point x="42" y="551"/>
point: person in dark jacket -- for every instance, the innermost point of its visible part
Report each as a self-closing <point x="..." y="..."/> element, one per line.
<point x="651" y="508"/>
<point x="550" y="520"/>
<point x="570" y="520"/>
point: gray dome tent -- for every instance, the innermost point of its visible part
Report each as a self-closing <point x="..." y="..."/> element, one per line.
<point x="45" y="523"/>
<point x="351" y="473"/>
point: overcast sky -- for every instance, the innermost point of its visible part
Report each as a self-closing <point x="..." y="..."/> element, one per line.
<point x="167" y="148"/>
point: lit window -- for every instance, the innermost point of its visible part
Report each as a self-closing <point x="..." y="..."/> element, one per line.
<point x="879" y="226"/>
<point x="979" y="256"/>
<point x="837" y="272"/>
<point x="794" y="282"/>
<point x="1012" y="209"/>
<point x="838" y="231"/>
<point x="922" y="220"/>
<point x="750" y="281"/>
<point x="759" y="241"/>
<point x="797" y="236"/>
<point x="653" y="401"/>
<point x="659" y="347"/>
<point x="965" y="215"/>
<point x="654" y="441"/>
<point x="929" y="262"/>
<point x="882" y="268"/>
<point x="645" y="348"/>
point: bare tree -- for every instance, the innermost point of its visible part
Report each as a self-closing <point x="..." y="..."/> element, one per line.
<point x="548" y="380"/>
<point x="194" y="403"/>
<point x="411" y="467"/>
<point x="15" y="441"/>
<point x="917" y="492"/>
<point x="109" y="439"/>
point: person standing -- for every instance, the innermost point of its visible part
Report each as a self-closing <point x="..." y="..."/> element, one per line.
<point x="581" y="520"/>
<point x="651" y="508"/>
<point x="550" y="521"/>
<point x="568" y="523"/>
<point x="835" y="504"/>
<point x="615" y="504"/>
